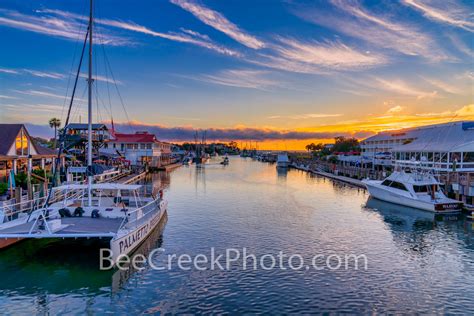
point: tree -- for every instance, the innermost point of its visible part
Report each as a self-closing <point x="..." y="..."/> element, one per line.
<point x="314" y="147"/>
<point x="55" y="123"/>
<point x="343" y="144"/>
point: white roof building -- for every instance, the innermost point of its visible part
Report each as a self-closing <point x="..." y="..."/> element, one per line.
<point x="443" y="147"/>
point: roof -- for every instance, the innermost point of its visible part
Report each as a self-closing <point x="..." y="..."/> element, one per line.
<point x="138" y="137"/>
<point x="100" y="186"/>
<point x="9" y="133"/>
<point x="84" y="126"/>
<point x="44" y="151"/>
<point x="455" y="136"/>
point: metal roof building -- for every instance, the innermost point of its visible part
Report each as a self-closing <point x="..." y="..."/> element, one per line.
<point x="443" y="147"/>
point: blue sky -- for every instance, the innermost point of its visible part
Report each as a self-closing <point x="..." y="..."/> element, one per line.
<point x="298" y="69"/>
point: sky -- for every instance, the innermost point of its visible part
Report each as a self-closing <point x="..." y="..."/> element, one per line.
<point x="283" y="73"/>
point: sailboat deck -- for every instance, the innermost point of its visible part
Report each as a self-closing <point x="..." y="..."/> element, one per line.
<point x="73" y="226"/>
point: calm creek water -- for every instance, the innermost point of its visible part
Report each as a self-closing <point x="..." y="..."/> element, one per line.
<point x="416" y="263"/>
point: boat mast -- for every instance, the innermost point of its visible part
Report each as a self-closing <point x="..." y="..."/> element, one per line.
<point x="89" y="115"/>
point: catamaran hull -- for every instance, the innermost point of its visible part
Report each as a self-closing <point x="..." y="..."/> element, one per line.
<point x="126" y="244"/>
<point x="385" y="195"/>
<point x="6" y="242"/>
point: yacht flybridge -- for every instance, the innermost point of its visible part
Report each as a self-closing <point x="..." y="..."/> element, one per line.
<point x="412" y="185"/>
<point x="116" y="212"/>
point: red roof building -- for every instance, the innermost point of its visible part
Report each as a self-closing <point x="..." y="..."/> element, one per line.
<point x="140" y="148"/>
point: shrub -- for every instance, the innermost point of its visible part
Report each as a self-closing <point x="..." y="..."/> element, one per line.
<point x="3" y="188"/>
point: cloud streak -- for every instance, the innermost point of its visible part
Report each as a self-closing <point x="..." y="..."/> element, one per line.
<point x="53" y="26"/>
<point x="304" y="116"/>
<point x="380" y="31"/>
<point x="240" y="78"/>
<point x="449" y="12"/>
<point x="220" y="23"/>
<point x="188" y="36"/>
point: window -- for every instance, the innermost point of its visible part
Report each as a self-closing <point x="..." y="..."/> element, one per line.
<point x="135" y="146"/>
<point x="148" y="146"/>
<point x="114" y="146"/>
<point x="420" y="188"/>
<point x="129" y="146"/>
<point x="387" y="183"/>
<point x="398" y="185"/>
<point x="468" y="157"/>
<point x="21" y="144"/>
<point x="142" y="146"/>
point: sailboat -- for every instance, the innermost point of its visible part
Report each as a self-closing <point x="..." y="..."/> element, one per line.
<point x="116" y="213"/>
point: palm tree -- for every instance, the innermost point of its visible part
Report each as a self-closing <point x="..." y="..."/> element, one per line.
<point x="55" y="123"/>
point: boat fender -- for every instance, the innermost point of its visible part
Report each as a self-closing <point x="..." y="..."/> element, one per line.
<point x="78" y="211"/>
<point x="65" y="212"/>
<point x="95" y="214"/>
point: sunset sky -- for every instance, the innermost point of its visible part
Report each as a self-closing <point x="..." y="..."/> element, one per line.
<point x="284" y="73"/>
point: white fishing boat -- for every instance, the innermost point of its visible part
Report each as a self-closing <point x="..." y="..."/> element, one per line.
<point x="117" y="213"/>
<point x="282" y="160"/>
<point x="413" y="186"/>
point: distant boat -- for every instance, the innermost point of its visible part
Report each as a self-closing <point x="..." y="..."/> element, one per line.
<point x="282" y="160"/>
<point x="413" y="187"/>
<point x="225" y="162"/>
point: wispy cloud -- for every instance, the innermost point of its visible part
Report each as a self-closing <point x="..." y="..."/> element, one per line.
<point x="40" y="93"/>
<point x="380" y="31"/>
<point x="395" y="109"/>
<point x="42" y="74"/>
<point x="304" y="116"/>
<point x="401" y="87"/>
<point x="7" y="97"/>
<point x="219" y="22"/>
<point x="101" y="78"/>
<point x="240" y="78"/>
<point x="444" y="11"/>
<point x="188" y="36"/>
<point x="330" y="55"/>
<point x="53" y="26"/>
<point x="446" y="87"/>
<point x="36" y="73"/>
<point x="9" y="71"/>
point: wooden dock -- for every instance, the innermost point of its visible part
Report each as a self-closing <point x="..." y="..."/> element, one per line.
<point x="335" y="177"/>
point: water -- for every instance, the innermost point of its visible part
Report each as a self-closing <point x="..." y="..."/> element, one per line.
<point x="416" y="263"/>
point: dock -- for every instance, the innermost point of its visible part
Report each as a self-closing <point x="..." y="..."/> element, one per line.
<point x="351" y="181"/>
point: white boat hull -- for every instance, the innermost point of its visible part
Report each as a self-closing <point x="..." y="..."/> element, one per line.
<point x="124" y="244"/>
<point x="380" y="193"/>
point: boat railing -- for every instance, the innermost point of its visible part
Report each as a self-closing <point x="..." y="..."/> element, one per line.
<point x="136" y="217"/>
<point x="10" y="211"/>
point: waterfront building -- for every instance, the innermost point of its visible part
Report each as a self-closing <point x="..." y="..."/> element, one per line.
<point x="19" y="152"/>
<point x="75" y="139"/>
<point x="140" y="149"/>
